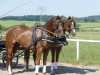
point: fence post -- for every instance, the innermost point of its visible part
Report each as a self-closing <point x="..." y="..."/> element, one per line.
<point x="77" y="50"/>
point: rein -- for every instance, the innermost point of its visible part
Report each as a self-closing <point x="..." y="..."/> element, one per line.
<point x="46" y="30"/>
<point x="71" y="28"/>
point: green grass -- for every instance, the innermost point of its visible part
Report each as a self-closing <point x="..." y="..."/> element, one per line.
<point x="89" y="52"/>
<point x="85" y="25"/>
<point x="87" y="35"/>
<point x="9" y="23"/>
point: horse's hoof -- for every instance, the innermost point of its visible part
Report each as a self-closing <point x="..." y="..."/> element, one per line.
<point x="10" y="74"/>
<point x="44" y="73"/>
<point x="56" y="71"/>
<point x="37" y="73"/>
<point x="52" y="73"/>
<point x="26" y="69"/>
<point x="4" y="69"/>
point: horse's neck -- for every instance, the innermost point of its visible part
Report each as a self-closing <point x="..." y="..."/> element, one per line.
<point x="48" y="26"/>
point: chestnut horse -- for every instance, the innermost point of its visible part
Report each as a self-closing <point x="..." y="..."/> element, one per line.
<point x="69" y="25"/>
<point x="22" y="36"/>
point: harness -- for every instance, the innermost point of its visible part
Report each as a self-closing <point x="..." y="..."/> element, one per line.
<point x="55" y="39"/>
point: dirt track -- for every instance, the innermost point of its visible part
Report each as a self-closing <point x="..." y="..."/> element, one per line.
<point x="63" y="69"/>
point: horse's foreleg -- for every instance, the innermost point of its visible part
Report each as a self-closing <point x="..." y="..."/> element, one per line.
<point x="38" y="57"/>
<point x="57" y="56"/>
<point x="26" y="58"/>
<point x="53" y="60"/>
<point x="45" y="54"/>
<point x="34" y="57"/>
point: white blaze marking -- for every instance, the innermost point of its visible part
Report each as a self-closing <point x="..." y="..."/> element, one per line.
<point x="73" y="32"/>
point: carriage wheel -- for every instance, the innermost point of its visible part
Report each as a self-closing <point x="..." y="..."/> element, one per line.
<point x="1" y="49"/>
<point x="14" y="60"/>
<point x="4" y="58"/>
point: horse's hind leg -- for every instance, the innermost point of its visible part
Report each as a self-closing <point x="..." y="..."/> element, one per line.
<point x="26" y="59"/>
<point x="9" y="60"/>
<point x="53" y="59"/>
<point x="15" y="48"/>
<point x="34" y="57"/>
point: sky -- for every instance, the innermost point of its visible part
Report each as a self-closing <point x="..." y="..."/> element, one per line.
<point x="76" y="8"/>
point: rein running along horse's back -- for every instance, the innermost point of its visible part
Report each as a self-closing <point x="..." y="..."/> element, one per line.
<point x="69" y="26"/>
<point x="38" y="39"/>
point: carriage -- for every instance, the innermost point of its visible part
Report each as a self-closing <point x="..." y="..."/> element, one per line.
<point x="3" y="51"/>
<point x="2" y="48"/>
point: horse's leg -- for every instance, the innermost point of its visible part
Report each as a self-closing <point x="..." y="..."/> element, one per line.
<point x="9" y="59"/>
<point x="38" y="57"/>
<point x="34" y="57"/>
<point x="45" y="54"/>
<point x="26" y="59"/>
<point x="53" y="59"/>
<point x="57" y="56"/>
<point x="15" y="47"/>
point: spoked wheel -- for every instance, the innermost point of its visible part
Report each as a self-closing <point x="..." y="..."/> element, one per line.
<point x="4" y="58"/>
<point x="14" y="60"/>
<point x="1" y="49"/>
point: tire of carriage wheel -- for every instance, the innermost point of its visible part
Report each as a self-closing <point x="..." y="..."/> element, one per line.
<point x="1" y="49"/>
<point x="14" y="61"/>
<point x="4" y="60"/>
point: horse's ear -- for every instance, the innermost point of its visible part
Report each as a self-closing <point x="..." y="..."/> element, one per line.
<point x="73" y="17"/>
<point x="62" y="16"/>
<point x="58" y="17"/>
<point x="69" y="17"/>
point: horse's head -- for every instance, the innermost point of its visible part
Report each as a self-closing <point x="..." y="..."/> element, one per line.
<point x="70" y="25"/>
<point x="55" y="25"/>
<point x="58" y="26"/>
<point x="55" y="28"/>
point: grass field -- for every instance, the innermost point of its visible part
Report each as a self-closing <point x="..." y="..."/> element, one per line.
<point x="89" y="52"/>
<point x="85" y="25"/>
<point x="9" y="23"/>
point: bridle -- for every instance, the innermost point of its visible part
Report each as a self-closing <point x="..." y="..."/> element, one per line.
<point x="71" y="26"/>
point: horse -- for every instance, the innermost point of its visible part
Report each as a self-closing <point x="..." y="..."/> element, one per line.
<point x="24" y="36"/>
<point x="69" y="25"/>
<point x="57" y="33"/>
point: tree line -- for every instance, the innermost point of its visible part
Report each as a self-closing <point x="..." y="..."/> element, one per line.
<point x="95" y="18"/>
<point x="44" y="18"/>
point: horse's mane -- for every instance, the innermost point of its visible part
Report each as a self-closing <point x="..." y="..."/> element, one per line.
<point x="52" y="19"/>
